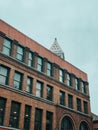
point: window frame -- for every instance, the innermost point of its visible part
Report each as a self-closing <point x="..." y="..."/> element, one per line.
<point x="30" y="59"/>
<point x="79" y="104"/>
<point x="19" y="53"/>
<point x="50" y="97"/>
<point x="70" y="101"/>
<point x="38" y="119"/>
<point x="85" y="105"/>
<point x="39" y="89"/>
<point x="29" y="85"/>
<point x="69" y="80"/>
<point x="27" y="117"/>
<point x="19" y="82"/>
<point x="49" y="69"/>
<point x="14" y="114"/>
<point x="49" y="120"/>
<point x="61" y="75"/>
<point x="62" y="98"/>
<point x="6" y="77"/>
<point x="40" y="64"/>
<point x="6" y="47"/>
<point x="2" y="109"/>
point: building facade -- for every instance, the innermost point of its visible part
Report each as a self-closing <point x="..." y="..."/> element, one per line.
<point x="38" y="89"/>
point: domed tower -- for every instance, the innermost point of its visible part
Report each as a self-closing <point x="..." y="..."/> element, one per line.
<point x="55" y="48"/>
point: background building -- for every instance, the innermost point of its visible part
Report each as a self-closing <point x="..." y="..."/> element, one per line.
<point x="39" y="90"/>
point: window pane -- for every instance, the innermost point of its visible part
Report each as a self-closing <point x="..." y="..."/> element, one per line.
<point x="62" y="98"/>
<point x="6" y="51"/>
<point x="2" y="79"/>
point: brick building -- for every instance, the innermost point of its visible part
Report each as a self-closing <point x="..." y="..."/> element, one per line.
<point x="38" y="89"/>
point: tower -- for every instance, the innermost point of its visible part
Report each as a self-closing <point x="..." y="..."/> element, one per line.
<point x="55" y="48"/>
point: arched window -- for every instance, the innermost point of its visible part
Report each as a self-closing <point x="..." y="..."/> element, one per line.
<point x="66" y="124"/>
<point x="83" y="126"/>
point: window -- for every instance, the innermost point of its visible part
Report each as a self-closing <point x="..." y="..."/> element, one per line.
<point x="61" y="75"/>
<point x="7" y="47"/>
<point x="39" y="89"/>
<point x="18" y="80"/>
<point x="38" y="119"/>
<point x="29" y="85"/>
<point x="27" y="117"/>
<point x="69" y="83"/>
<point x="49" y="69"/>
<point x="49" y="119"/>
<point x="70" y="101"/>
<point x="62" y="98"/>
<point x="83" y="88"/>
<point x="49" y="92"/>
<point x="78" y="104"/>
<point x="66" y="124"/>
<point x="2" y="109"/>
<point x="85" y="107"/>
<point x="30" y="59"/>
<point x="83" y="126"/>
<point x="4" y="75"/>
<point x="77" y="85"/>
<point x="40" y="64"/>
<point x="14" y="114"/>
<point x="20" y="53"/>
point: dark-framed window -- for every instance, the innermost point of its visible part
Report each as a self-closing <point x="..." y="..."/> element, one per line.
<point x="30" y="59"/>
<point x="70" y="101"/>
<point x="78" y="104"/>
<point x="2" y="109"/>
<point x="61" y="75"/>
<point x="4" y="75"/>
<point x="27" y="117"/>
<point x="62" y="98"/>
<point x="85" y="104"/>
<point x="77" y="84"/>
<point x="40" y="64"/>
<point x="83" y="126"/>
<point x="39" y="89"/>
<point x="49" y="120"/>
<point x="18" y="80"/>
<point x="49" y="92"/>
<point x="66" y="124"/>
<point x="83" y="87"/>
<point x="7" y="47"/>
<point x="20" y="53"/>
<point x="69" y="80"/>
<point x="14" y="114"/>
<point x="38" y="119"/>
<point x="29" y="85"/>
<point x="49" y="69"/>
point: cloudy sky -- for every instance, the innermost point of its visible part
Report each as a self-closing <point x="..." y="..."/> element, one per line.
<point x="73" y="22"/>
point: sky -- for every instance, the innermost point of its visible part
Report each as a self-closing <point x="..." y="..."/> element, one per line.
<point x="73" y="22"/>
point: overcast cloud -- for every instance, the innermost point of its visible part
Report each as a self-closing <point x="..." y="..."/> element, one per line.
<point x="73" y="22"/>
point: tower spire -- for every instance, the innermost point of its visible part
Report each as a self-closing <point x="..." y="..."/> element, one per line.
<point x="55" y="48"/>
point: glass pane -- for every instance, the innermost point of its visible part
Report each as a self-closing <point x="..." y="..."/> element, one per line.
<point x="19" y="57"/>
<point x="39" y="61"/>
<point x="2" y="79"/>
<point x="16" y="84"/>
<point x="7" y="43"/>
<point x="3" y="71"/>
<point x="17" y="77"/>
<point x="6" y="51"/>
<point x="20" y="50"/>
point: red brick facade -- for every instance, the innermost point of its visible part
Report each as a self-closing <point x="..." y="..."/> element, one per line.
<point x="21" y="96"/>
